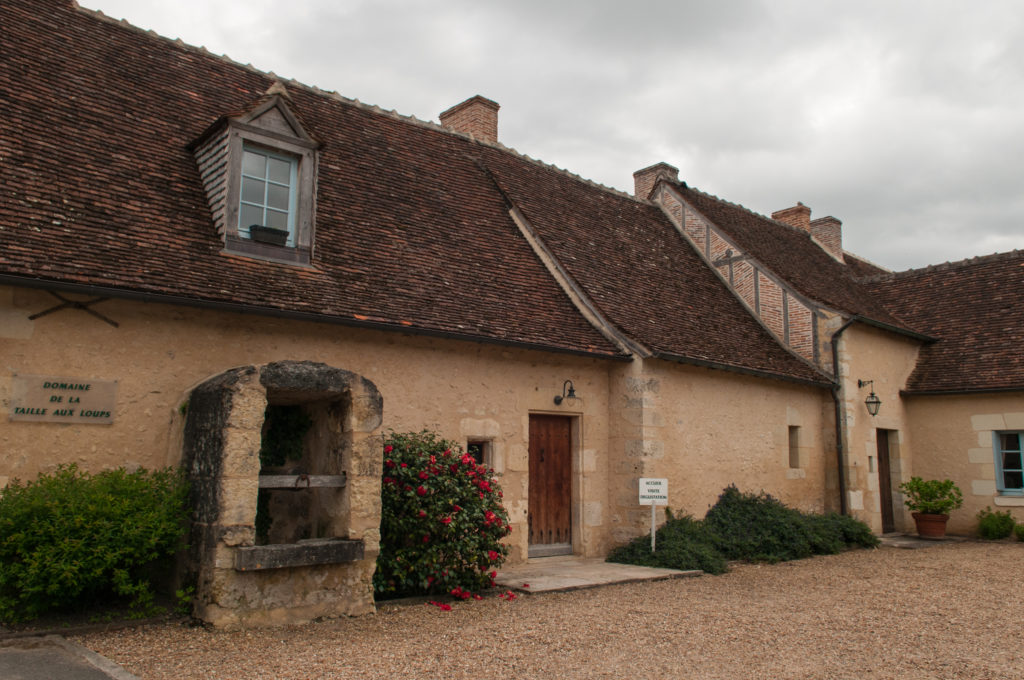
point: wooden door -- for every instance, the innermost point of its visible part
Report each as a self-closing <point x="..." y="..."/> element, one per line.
<point x="550" y="517"/>
<point x="885" y="481"/>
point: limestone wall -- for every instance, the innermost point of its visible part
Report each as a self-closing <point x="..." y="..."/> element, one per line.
<point x="886" y="359"/>
<point x="953" y="437"/>
<point x="705" y="429"/>
<point x="159" y="353"/>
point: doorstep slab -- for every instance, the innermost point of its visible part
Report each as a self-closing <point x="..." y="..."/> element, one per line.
<point x="552" y="574"/>
<point x="914" y="542"/>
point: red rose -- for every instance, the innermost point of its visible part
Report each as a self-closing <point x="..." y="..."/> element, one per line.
<point x="446" y="520"/>
<point x="423" y="513"/>
<point x="388" y="448"/>
<point x="420" y="491"/>
<point x="424" y="475"/>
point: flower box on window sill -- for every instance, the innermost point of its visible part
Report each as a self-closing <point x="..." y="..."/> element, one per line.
<point x="277" y="237"/>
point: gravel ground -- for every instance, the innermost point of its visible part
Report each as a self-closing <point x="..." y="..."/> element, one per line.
<point x="948" y="611"/>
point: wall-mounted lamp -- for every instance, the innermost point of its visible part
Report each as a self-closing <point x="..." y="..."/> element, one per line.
<point x="568" y="392"/>
<point x="872" y="402"/>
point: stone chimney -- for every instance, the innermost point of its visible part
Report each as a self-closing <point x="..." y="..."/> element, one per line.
<point x="477" y="116"/>
<point x="828" y="231"/>
<point x="798" y="216"/>
<point x="644" y="180"/>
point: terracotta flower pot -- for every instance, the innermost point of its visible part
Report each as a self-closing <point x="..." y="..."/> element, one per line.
<point x="929" y="525"/>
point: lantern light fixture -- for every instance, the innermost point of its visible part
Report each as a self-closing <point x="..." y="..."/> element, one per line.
<point x="568" y="392"/>
<point x="873" y="403"/>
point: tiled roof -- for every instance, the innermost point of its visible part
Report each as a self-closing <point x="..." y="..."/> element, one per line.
<point x="98" y="188"/>
<point x="976" y="309"/>
<point x="791" y="254"/>
<point x="642" y="275"/>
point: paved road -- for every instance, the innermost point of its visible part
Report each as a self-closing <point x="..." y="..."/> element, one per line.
<point x="54" y="658"/>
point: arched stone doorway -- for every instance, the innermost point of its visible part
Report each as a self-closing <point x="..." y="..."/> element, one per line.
<point x="315" y="551"/>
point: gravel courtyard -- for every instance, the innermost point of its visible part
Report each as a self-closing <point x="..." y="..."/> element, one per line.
<point x="949" y="611"/>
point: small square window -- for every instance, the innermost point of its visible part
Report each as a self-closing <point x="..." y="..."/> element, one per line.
<point x="480" y="450"/>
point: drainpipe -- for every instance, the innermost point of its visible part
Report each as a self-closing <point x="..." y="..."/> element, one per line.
<point x="839" y="413"/>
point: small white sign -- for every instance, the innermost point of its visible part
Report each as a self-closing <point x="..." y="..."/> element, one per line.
<point x="653" y="491"/>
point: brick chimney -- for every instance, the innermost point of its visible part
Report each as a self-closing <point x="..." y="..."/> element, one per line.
<point x="798" y="216"/>
<point x="644" y="180"/>
<point x="477" y="116"/>
<point x="828" y="231"/>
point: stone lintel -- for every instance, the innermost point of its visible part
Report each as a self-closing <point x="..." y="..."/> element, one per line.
<point x="302" y="554"/>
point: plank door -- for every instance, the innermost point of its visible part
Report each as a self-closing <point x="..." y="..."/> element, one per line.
<point x="885" y="481"/>
<point x="550" y="494"/>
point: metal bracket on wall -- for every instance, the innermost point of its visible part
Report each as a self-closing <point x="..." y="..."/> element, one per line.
<point x="74" y="304"/>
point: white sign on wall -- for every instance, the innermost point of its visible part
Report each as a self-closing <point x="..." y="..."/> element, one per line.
<point x="653" y="491"/>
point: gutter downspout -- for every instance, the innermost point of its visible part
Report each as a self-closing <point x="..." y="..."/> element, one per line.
<point x="839" y="413"/>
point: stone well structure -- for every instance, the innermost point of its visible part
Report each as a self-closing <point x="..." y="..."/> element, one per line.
<point x="318" y="554"/>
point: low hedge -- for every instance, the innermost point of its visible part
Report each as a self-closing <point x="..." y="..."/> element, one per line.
<point x="744" y="526"/>
<point x="994" y="526"/>
<point x="70" y="539"/>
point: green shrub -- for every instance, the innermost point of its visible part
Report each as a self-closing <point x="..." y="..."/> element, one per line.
<point x="757" y="527"/>
<point x="680" y="543"/>
<point x="744" y="526"/>
<point x="1018" y="531"/>
<point x="994" y="525"/>
<point x="932" y="496"/>
<point x="70" y="538"/>
<point x="442" y="520"/>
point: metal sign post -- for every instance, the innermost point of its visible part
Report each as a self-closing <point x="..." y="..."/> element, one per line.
<point x="653" y="492"/>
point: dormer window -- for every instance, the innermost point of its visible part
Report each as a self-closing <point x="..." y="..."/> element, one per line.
<point x="268" y="195"/>
<point x="259" y="172"/>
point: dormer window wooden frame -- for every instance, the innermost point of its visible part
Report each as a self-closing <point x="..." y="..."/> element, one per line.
<point x="269" y="129"/>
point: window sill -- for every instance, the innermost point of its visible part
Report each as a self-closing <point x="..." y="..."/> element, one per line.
<point x="266" y="251"/>
<point x="1009" y="501"/>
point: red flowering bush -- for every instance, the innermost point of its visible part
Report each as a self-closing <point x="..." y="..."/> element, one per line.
<point x="442" y="520"/>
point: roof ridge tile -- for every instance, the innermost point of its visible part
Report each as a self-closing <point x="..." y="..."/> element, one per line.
<point x="751" y="211"/>
<point x="947" y="266"/>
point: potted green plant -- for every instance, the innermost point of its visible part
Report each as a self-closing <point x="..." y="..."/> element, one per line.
<point x="930" y="502"/>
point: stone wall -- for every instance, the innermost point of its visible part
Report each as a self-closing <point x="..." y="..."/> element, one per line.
<point x="330" y="574"/>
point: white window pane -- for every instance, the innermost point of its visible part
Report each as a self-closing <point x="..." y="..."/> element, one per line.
<point x="277" y="219"/>
<point x="250" y="215"/>
<point x="254" y="164"/>
<point x="277" y="196"/>
<point x="279" y="170"/>
<point x="252" y="190"/>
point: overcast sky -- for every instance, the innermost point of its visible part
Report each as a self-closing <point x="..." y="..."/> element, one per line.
<point x="904" y="119"/>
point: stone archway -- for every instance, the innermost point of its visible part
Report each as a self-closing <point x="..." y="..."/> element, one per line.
<point x="327" y="508"/>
